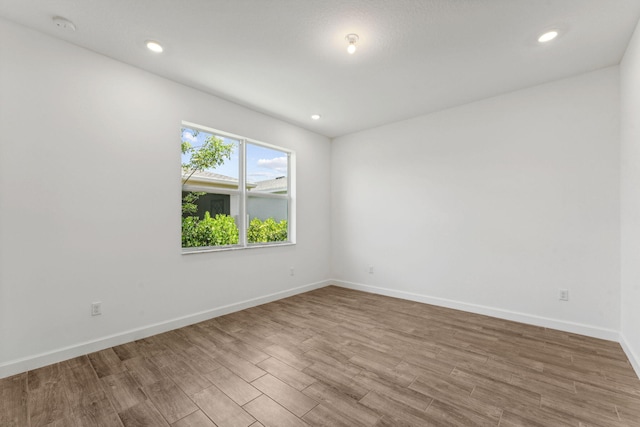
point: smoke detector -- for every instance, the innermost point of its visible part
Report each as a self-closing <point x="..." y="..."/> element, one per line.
<point x="63" y="23"/>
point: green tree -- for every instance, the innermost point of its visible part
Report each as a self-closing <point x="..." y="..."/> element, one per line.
<point x="211" y="154"/>
<point x="190" y="202"/>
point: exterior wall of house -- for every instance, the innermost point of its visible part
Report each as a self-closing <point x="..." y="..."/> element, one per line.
<point x="96" y="142"/>
<point x="492" y="206"/>
<point x="263" y="208"/>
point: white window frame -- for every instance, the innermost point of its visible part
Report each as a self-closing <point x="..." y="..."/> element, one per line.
<point x="242" y="221"/>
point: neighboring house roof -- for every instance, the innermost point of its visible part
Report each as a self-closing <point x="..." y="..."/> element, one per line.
<point x="272" y="185"/>
<point x="212" y="179"/>
<point x="205" y="180"/>
<point x="206" y="176"/>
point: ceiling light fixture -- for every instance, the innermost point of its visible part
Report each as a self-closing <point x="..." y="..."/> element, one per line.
<point x="154" y="46"/>
<point x="352" y="39"/>
<point x="548" y="36"/>
<point x="315" y="116"/>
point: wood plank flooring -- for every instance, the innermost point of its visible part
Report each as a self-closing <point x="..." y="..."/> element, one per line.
<point x="336" y="357"/>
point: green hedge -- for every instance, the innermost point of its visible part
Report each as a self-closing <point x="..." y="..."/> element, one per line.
<point x="218" y="231"/>
<point x="267" y="231"/>
<point x="222" y="230"/>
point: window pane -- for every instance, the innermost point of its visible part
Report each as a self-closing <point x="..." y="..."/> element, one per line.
<point x="209" y="160"/>
<point x="267" y="170"/>
<point x="209" y="219"/>
<point x="209" y="163"/>
<point x="268" y="219"/>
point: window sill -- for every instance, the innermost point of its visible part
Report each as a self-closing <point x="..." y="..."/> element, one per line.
<point x="200" y="250"/>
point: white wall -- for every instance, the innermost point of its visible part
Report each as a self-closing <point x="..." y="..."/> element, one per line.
<point x="490" y="207"/>
<point x="630" y="195"/>
<point x="89" y="205"/>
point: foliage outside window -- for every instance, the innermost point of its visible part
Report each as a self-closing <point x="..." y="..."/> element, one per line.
<point x="236" y="192"/>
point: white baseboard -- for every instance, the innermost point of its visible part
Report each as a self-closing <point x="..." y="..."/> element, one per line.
<point x="33" y="362"/>
<point x="631" y="355"/>
<point x="576" y="328"/>
<point x="17" y="366"/>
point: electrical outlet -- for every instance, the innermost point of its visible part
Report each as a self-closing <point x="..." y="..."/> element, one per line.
<point x="96" y="308"/>
<point x="371" y="269"/>
<point x="291" y="271"/>
<point x="564" y="295"/>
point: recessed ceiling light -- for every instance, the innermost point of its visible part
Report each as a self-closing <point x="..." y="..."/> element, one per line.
<point x="154" y="46"/>
<point x="548" y="36"/>
<point x="315" y="116"/>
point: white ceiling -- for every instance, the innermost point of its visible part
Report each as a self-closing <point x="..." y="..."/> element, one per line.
<point x="288" y="58"/>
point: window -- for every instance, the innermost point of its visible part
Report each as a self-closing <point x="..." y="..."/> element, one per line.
<point x="236" y="192"/>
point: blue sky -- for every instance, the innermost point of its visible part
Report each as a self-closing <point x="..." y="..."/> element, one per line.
<point x="262" y="163"/>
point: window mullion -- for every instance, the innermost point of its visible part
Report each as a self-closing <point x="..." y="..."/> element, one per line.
<point x="242" y="183"/>
<point x="289" y="197"/>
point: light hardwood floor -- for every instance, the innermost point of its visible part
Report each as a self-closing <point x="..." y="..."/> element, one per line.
<point x="336" y="357"/>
